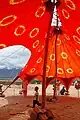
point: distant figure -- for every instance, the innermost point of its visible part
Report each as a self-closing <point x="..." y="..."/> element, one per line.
<point x="36" y="97"/>
<point x="58" y="88"/>
<point x="1" y="94"/>
<point x="62" y="91"/>
<point x="1" y="88"/>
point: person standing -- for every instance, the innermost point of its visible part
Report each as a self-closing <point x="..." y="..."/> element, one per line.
<point x="62" y="92"/>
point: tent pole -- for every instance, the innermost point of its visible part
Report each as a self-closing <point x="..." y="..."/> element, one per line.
<point x="55" y="67"/>
<point x="10" y="84"/>
<point x="45" y="63"/>
<point x="57" y="33"/>
<point x="44" y="70"/>
<point x="25" y="84"/>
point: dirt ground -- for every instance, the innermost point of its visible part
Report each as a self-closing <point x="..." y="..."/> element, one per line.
<point x="65" y="108"/>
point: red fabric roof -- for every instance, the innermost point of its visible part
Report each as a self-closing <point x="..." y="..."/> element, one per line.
<point x="68" y="50"/>
<point x="25" y="22"/>
<point x="69" y="15"/>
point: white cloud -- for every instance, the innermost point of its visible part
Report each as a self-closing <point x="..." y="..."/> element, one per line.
<point x="14" y="56"/>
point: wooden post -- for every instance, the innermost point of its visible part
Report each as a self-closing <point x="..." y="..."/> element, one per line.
<point x="67" y="91"/>
<point x="57" y="33"/>
<point x="78" y="93"/>
<point x="45" y="63"/>
<point x="10" y="84"/>
<point x="24" y="87"/>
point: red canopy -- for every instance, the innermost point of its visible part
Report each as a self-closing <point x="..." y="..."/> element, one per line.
<point x="24" y="22"/>
<point x="69" y="15"/>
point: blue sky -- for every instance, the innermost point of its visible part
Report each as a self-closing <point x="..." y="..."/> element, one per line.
<point x="14" y="56"/>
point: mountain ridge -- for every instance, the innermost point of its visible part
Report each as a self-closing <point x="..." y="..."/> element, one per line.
<point x="6" y="73"/>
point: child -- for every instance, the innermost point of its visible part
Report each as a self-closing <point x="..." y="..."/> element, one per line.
<point x="36" y="97"/>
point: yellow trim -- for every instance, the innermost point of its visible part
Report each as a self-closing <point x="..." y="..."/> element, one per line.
<point x="13" y="2"/>
<point x="36" y="13"/>
<point x="37" y="31"/>
<point x="67" y="13"/>
<point x="10" y="16"/>
<point x="19" y="34"/>
<point x="73" y="5"/>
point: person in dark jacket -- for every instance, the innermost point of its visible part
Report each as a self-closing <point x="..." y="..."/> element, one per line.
<point x="62" y="92"/>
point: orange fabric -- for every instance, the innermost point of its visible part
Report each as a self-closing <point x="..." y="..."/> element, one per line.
<point x="25" y="22"/>
<point x="68" y="44"/>
<point x="69" y="15"/>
